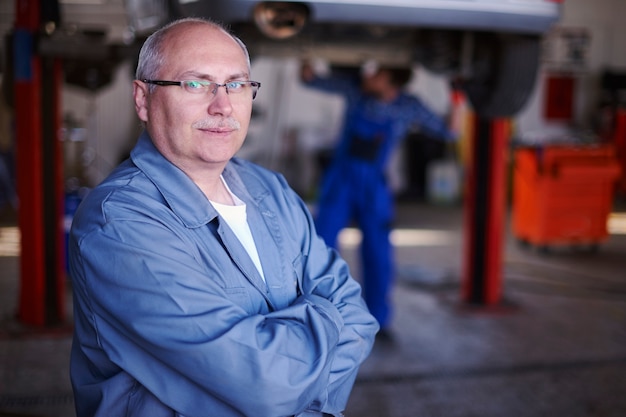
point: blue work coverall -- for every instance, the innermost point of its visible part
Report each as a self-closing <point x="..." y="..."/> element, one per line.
<point x="172" y="318"/>
<point x="354" y="186"/>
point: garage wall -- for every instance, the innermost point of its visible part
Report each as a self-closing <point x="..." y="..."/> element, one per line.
<point x="604" y="21"/>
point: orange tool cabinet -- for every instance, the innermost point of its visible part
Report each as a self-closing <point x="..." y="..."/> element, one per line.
<point x="563" y="195"/>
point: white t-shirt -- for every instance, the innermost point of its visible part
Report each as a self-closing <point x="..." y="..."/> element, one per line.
<point x="237" y="219"/>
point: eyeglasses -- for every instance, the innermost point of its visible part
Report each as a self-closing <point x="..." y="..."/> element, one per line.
<point x="203" y="86"/>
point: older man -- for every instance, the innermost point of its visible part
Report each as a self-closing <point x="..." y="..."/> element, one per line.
<point x="200" y="285"/>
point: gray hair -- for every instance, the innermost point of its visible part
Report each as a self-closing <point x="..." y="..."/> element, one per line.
<point x="151" y="58"/>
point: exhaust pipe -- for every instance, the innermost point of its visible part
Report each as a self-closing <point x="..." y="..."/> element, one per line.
<point x="280" y="20"/>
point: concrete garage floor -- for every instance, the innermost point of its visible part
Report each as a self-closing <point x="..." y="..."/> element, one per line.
<point x="555" y="347"/>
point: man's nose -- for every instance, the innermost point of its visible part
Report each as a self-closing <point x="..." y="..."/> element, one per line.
<point x="220" y="101"/>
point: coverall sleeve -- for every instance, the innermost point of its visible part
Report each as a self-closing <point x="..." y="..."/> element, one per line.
<point x="430" y="122"/>
<point x="327" y="276"/>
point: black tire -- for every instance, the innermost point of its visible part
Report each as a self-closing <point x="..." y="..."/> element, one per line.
<point x="504" y="70"/>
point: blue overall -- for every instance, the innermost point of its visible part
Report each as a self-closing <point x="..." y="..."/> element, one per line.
<point x="354" y="187"/>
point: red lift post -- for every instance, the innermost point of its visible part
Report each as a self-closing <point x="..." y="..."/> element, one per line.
<point x="485" y="196"/>
<point x="38" y="172"/>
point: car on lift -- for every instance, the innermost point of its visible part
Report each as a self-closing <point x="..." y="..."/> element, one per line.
<point x="491" y="47"/>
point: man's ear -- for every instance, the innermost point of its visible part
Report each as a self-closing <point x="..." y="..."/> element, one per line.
<point x="140" y="95"/>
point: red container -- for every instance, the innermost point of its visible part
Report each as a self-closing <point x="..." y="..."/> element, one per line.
<point x="563" y="194"/>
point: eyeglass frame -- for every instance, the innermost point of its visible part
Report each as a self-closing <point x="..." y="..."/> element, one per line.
<point x="165" y="83"/>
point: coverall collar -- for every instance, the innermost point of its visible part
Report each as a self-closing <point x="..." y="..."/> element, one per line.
<point x="195" y="210"/>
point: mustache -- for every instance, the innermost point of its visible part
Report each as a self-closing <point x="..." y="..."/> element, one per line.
<point x="217" y="123"/>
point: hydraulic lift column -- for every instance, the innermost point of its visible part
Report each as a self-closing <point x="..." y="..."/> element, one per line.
<point x="39" y="171"/>
<point x="485" y="195"/>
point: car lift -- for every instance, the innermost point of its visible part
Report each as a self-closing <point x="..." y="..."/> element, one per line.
<point x="39" y="171"/>
<point x="484" y="216"/>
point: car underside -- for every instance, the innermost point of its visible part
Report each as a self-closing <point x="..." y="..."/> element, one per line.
<point x="490" y="49"/>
